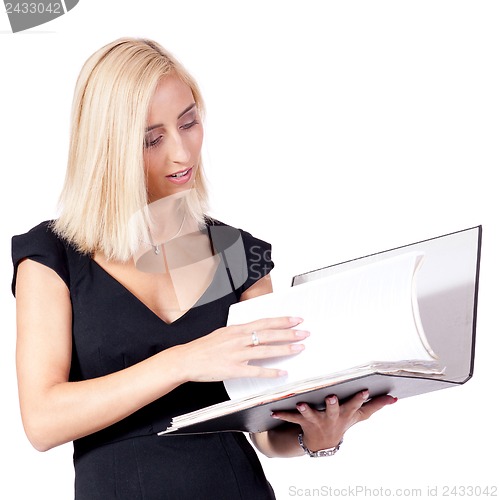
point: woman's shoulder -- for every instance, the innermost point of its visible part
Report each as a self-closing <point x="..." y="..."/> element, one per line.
<point x="42" y="245"/>
<point x="231" y="233"/>
<point x="45" y="227"/>
<point x="40" y="238"/>
<point x="248" y="258"/>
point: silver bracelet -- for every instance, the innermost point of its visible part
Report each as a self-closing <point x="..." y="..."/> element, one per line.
<point x="328" y="452"/>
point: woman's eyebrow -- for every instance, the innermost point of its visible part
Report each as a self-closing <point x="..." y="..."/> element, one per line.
<point x="186" y="110"/>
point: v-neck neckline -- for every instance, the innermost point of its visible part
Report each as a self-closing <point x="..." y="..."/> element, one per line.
<point x="145" y="306"/>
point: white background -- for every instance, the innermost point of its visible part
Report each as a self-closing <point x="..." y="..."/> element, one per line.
<point x="334" y="129"/>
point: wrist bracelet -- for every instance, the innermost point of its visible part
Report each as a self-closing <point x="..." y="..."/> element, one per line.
<point x="327" y="452"/>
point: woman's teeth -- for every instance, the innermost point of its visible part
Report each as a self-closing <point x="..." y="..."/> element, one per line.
<point x="180" y="174"/>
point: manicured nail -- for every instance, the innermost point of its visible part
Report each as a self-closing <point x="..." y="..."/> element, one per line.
<point x="333" y="400"/>
<point x="365" y="395"/>
<point x="302" y="334"/>
<point x="301" y="407"/>
<point x="295" y="320"/>
<point x="297" y="347"/>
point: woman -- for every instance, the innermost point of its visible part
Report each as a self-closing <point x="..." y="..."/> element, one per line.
<point x="122" y="301"/>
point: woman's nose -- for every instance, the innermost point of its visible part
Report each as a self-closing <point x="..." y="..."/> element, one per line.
<point x="178" y="150"/>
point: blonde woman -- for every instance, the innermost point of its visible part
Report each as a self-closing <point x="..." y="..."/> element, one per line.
<point x="122" y="301"/>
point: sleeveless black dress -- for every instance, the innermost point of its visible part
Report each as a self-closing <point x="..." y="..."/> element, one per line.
<point x="112" y="330"/>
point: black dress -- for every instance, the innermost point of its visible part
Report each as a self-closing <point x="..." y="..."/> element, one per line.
<point x="112" y="330"/>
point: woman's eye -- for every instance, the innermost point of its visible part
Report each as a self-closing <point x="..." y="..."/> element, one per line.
<point x="189" y="125"/>
<point x="150" y="143"/>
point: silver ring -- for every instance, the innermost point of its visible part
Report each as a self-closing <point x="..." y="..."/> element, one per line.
<point x="254" y="338"/>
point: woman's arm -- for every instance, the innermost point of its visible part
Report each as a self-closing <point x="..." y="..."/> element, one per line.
<point x="321" y="429"/>
<point x="55" y="411"/>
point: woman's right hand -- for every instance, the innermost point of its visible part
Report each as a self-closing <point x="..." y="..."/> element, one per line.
<point x="225" y="353"/>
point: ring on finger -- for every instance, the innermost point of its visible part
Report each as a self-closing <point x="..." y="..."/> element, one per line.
<point x="254" y="338"/>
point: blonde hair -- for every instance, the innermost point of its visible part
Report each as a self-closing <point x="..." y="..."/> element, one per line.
<point x="105" y="186"/>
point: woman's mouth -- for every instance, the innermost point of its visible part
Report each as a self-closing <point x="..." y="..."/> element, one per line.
<point x="180" y="177"/>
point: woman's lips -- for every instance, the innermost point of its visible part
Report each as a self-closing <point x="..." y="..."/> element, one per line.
<point x="180" y="177"/>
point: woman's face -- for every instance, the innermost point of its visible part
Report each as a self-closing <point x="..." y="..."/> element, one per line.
<point x="173" y="140"/>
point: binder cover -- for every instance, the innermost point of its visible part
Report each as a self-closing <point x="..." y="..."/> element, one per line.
<point x="447" y="293"/>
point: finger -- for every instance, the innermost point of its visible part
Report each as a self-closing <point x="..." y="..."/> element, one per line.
<point x="272" y="323"/>
<point x="293" y="417"/>
<point x="304" y="416"/>
<point x="262" y="372"/>
<point x="355" y="403"/>
<point x="375" y="405"/>
<point x="275" y="336"/>
<point x="332" y="407"/>
<point x="309" y="415"/>
<point x="272" y="351"/>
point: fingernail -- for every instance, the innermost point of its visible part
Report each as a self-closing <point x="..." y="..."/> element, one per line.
<point x="297" y="347"/>
<point x="273" y="415"/>
<point x="365" y="395"/>
<point x="301" y="407"/>
<point x="282" y="373"/>
<point x="333" y="400"/>
<point x="394" y="400"/>
<point x="295" y="320"/>
<point x="302" y="334"/>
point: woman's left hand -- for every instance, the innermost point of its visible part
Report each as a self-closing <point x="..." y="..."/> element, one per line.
<point x="325" y="429"/>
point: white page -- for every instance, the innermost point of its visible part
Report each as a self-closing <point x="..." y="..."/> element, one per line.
<point x="357" y="317"/>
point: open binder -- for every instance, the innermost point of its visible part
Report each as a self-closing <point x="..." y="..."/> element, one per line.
<point x="446" y="291"/>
